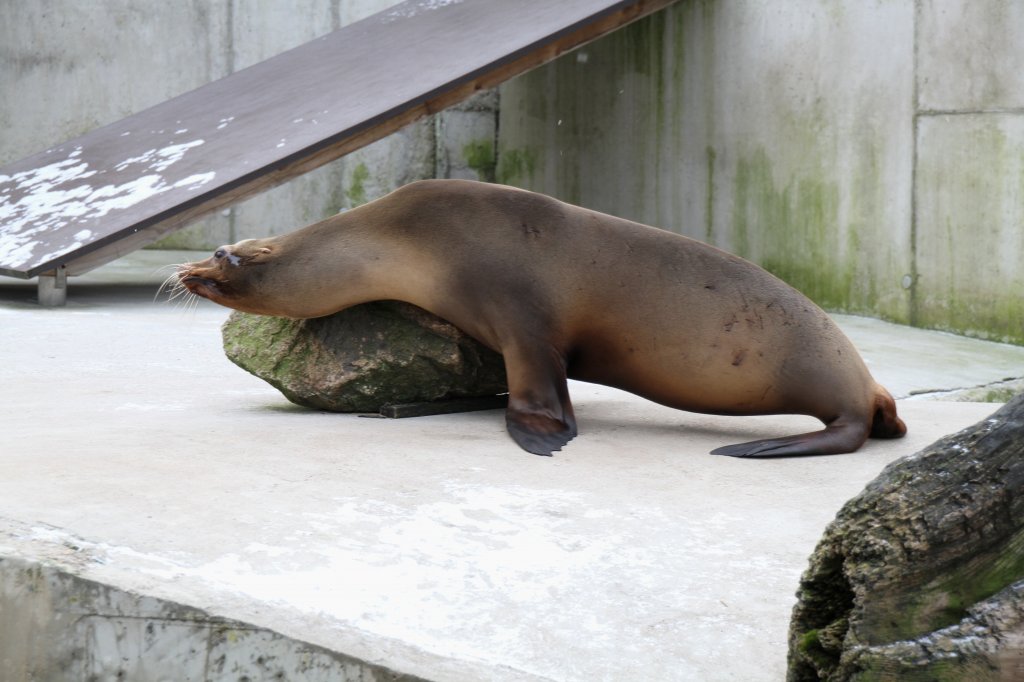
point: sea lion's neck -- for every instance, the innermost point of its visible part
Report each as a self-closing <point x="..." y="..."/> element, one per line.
<point x="352" y="258"/>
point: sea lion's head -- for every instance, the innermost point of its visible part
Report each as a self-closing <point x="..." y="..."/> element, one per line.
<point x="315" y="271"/>
<point x="235" y="276"/>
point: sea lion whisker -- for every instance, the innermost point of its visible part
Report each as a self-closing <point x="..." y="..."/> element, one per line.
<point x="171" y="284"/>
<point x="177" y="294"/>
<point x="178" y="288"/>
<point x="157" y="270"/>
<point x="181" y="299"/>
<point x="187" y="304"/>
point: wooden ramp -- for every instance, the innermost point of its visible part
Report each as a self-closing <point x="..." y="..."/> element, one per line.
<point x="92" y="199"/>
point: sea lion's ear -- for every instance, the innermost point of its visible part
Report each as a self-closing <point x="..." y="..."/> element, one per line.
<point x="264" y="250"/>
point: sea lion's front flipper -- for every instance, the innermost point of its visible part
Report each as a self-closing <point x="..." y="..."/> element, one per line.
<point x="839" y="437"/>
<point x="539" y="416"/>
<point x="539" y="434"/>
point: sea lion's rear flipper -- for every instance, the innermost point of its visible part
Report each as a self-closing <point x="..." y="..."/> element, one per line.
<point x="539" y="415"/>
<point x="837" y="438"/>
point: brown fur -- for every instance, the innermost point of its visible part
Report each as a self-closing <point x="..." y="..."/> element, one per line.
<point x="565" y="291"/>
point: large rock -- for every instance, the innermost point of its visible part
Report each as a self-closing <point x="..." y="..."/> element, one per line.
<point x="921" y="576"/>
<point x="364" y="358"/>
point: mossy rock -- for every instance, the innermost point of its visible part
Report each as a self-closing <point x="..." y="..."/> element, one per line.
<point x="364" y="358"/>
<point x="921" y="576"/>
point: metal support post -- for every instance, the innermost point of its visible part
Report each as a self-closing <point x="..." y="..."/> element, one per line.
<point x="53" y="287"/>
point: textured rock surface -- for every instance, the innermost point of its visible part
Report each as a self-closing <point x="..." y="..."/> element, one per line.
<point x="364" y="357"/>
<point x="921" y="576"/>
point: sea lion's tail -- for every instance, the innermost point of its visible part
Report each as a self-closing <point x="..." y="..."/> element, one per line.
<point x="885" y="423"/>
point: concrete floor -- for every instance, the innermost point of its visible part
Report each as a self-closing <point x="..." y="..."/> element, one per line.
<point x="137" y="458"/>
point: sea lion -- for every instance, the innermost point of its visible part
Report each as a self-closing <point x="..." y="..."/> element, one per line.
<point x="563" y="291"/>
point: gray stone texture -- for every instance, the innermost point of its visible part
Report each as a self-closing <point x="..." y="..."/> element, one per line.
<point x="970" y="55"/>
<point x="970" y="225"/>
<point x="364" y="358"/>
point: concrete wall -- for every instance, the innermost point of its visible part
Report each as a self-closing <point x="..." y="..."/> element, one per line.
<point x="67" y="67"/>
<point x="969" y="185"/>
<point x="870" y="153"/>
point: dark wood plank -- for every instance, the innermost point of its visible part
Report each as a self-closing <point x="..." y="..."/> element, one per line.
<point x="118" y="188"/>
<point x="450" y="406"/>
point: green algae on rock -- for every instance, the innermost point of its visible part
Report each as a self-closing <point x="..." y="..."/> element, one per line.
<point x="364" y="358"/>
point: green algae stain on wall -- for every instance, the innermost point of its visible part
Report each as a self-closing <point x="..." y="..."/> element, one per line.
<point x="709" y="206"/>
<point x="479" y="156"/>
<point x="516" y="166"/>
<point x="356" y="192"/>
<point x="979" y="314"/>
<point x="790" y="231"/>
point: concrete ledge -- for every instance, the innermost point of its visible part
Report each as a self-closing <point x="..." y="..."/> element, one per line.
<point x="161" y="507"/>
<point x="57" y="625"/>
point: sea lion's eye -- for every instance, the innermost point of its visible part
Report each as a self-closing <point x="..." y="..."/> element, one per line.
<point x="219" y="253"/>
